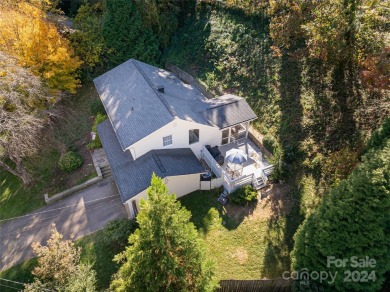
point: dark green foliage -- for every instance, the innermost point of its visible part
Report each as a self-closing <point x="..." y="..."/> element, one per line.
<point x="95" y="144"/>
<point x="87" y="39"/>
<point x="116" y="234"/>
<point x="161" y="16"/>
<point x="353" y="220"/>
<point x="126" y="36"/>
<point x="378" y="138"/>
<point x="70" y="161"/>
<point x="270" y="143"/>
<point x="244" y="196"/>
<point x="166" y="252"/>
<point x="97" y="107"/>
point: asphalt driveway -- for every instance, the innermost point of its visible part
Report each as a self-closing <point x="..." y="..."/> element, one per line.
<point x="80" y="214"/>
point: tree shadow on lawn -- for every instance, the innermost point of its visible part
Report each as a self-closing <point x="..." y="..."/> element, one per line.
<point x="284" y="220"/>
<point x="100" y="256"/>
<point x="200" y="203"/>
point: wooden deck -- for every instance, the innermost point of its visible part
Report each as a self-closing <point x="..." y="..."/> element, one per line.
<point x="254" y="171"/>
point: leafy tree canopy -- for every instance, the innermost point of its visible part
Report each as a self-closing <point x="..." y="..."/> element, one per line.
<point x="59" y="267"/>
<point x="26" y="33"/>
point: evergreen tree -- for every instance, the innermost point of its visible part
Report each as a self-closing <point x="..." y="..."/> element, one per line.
<point x="353" y="221"/>
<point x="165" y="253"/>
<point x="126" y="36"/>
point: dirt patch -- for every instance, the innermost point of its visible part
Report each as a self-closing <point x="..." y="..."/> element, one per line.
<point x="276" y="200"/>
<point x="273" y="201"/>
<point x="241" y="255"/>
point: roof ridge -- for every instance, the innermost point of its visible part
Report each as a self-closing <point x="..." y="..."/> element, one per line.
<point x="163" y="100"/>
<point x="219" y="105"/>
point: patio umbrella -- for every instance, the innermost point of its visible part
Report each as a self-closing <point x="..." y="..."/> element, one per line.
<point x="236" y="156"/>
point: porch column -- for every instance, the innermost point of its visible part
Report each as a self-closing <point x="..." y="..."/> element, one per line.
<point x="247" y="129"/>
<point x="230" y="134"/>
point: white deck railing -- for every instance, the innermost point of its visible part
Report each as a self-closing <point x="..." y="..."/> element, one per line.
<point x="231" y="184"/>
<point x="268" y="170"/>
<point x="211" y="162"/>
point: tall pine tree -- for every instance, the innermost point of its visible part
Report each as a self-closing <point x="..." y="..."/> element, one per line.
<point x="165" y="253"/>
<point x="125" y="34"/>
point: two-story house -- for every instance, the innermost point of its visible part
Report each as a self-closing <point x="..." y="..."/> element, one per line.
<point x="156" y="123"/>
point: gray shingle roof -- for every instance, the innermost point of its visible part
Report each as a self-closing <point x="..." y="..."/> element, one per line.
<point x="136" y="108"/>
<point x="228" y="110"/>
<point x="133" y="176"/>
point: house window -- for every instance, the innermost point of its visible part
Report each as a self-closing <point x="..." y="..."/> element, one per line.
<point x="167" y="140"/>
<point x="193" y="136"/>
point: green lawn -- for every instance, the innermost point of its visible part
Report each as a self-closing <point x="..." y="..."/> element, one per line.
<point x="19" y="273"/>
<point x="100" y="256"/>
<point x="250" y="242"/>
<point x="15" y="199"/>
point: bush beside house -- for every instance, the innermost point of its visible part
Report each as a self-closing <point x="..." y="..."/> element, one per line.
<point x="70" y="161"/>
<point x="96" y="143"/>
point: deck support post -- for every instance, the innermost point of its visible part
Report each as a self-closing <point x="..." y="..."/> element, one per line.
<point x="247" y="130"/>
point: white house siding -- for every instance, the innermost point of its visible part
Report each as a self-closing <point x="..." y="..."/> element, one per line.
<point x="179" y="129"/>
<point x="179" y="185"/>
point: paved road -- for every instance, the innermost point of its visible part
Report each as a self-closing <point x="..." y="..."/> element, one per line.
<point x="80" y="214"/>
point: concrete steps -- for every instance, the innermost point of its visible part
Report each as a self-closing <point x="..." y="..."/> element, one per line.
<point x="106" y="171"/>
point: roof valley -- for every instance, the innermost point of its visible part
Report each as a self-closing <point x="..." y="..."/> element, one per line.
<point x="163" y="100"/>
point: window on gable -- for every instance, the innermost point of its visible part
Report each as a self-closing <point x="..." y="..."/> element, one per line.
<point x="193" y="136"/>
<point x="167" y="140"/>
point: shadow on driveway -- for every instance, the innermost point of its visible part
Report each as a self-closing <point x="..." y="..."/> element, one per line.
<point x="79" y="214"/>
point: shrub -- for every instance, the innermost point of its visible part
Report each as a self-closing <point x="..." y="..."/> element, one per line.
<point x="70" y="161"/>
<point x="116" y="234"/>
<point x="95" y="144"/>
<point x="244" y="196"/>
<point x="270" y="143"/>
<point x="97" y="107"/>
<point x="211" y="218"/>
<point x="280" y="170"/>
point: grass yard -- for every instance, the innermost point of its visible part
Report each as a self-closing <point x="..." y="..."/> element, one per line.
<point x="71" y="132"/>
<point x="15" y="199"/>
<point x="100" y="256"/>
<point x="19" y="273"/>
<point x="249" y="242"/>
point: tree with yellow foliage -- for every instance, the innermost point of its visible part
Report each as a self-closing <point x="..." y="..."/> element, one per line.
<point x="27" y="34"/>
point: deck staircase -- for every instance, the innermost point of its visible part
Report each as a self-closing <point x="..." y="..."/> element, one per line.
<point x="259" y="183"/>
<point x="106" y="171"/>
